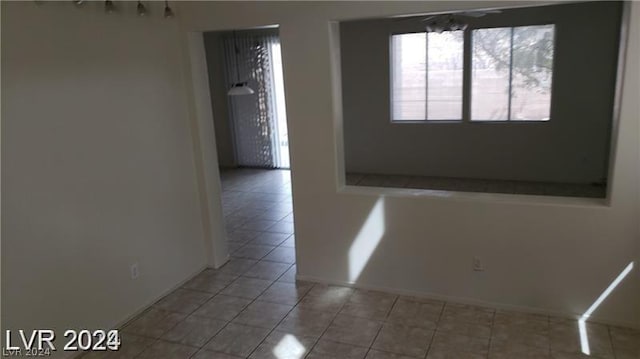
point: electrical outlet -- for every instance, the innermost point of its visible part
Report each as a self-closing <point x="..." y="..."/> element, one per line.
<point x="477" y="264"/>
<point x="134" y="271"/>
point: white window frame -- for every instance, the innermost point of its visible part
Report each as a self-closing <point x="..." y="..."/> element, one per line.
<point x="466" y="79"/>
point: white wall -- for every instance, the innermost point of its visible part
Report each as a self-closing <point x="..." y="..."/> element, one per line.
<point x="97" y="165"/>
<point x="572" y="147"/>
<point x="546" y="255"/>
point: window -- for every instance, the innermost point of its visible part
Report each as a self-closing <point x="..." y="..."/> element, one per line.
<point x="510" y="75"/>
<point x="427" y="76"/>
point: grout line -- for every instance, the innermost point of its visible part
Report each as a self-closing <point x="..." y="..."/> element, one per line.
<point x="240" y="312"/>
<point x="493" y="321"/>
<point x="384" y="321"/>
<point x="332" y="319"/>
<point x="284" y="317"/>
<point x="433" y="336"/>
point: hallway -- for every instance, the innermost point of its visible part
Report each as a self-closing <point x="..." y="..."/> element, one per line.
<point x="259" y="221"/>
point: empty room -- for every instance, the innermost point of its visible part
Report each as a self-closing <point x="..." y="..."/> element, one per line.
<point x="320" y="179"/>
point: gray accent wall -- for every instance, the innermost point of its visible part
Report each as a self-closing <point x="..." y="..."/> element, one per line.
<point x="572" y="147"/>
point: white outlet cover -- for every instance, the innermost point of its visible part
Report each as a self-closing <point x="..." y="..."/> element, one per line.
<point x="134" y="271"/>
<point x="477" y="264"/>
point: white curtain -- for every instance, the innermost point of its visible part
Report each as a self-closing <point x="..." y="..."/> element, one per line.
<point x="248" y="58"/>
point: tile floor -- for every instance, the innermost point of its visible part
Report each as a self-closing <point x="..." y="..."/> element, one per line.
<point x="254" y="308"/>
<point x="478" y="185"/>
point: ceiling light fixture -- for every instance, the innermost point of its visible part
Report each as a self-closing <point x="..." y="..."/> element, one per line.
<point x="109" y="6"/>
<point x="453" y="22"/>
<point x="439" y="24"/>
<point x="239" y="88"/>
<point x="141" y="9"/>
<point x="168" y="13"/>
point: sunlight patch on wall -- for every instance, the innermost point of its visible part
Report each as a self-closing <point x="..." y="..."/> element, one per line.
<point x="584" y="337"/>
<point x="366" y="241"/>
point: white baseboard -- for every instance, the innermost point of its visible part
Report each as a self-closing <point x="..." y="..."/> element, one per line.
<point x="463" y="300"/>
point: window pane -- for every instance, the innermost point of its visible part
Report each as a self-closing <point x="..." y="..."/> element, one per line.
<point x="409" y="76"/>
<point x="444" y="89"/>
<point x="490" y="74"/>
<point x="531" y="73"/>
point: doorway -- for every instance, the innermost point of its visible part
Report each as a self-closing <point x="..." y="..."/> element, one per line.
<point x="248" y="102"/>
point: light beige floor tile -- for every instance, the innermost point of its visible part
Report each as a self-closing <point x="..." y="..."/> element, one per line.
<point x="194" y="331"/>
<point x="183" y="300"/>
<point x="376" y="354"/>
<point x="282" y="227"/>
<point x="166" y="350"/>
<point x="352" y="330"/>
<point x="282" y="255"/>
<point x="207" y="354"/>
<point x="333" y="291"/>
<point x="625" y="353"/>
<point x="565" y="338"/>
<point x="286" y="293"/>
<point x="521" y="335"/>
<point x="258" y="224"/>
<point x="233" y="246"/>
<point x="246" y="287"/>
<point x="328" y="303"/>
<point x="283" y="345"/>
<point x="452" y="325"/>
<point x="210" y="281"/>
<point x="451" y="342"/>
<point x="501" y="349"/>
<point x="222" y="307"/>
<point x="333" y="350"/>
<point x="130" y="347"/>
<point x="536" y="322"/>
<point x="267" y="270"/>
<point x="369" y="304"/>
<point x="290" y="242"/>
<point x="237" y="339"/>
<point x="575" y="355"/>
<point x="468" y="313"/>
<point x="270" y="238"/>
<point x="153" y="323"/>
<point x="326" y="298"/>
<point x="242" y="236"/>
<point x="625" y="338"/>
<point x="441" y="353"/>
<point x="401" y="339"/>
<point x="253" y="251"/>
<point x="626" y="342"/>
<point x="263" y="314"/>
<point x="416" y="312"/>
<point x="289" y="276"/>
<point x="237" y="266"/>
<point x="305" y="322"/>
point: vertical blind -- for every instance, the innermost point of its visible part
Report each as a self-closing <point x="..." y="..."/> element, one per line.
<point x="248" y="58"/>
